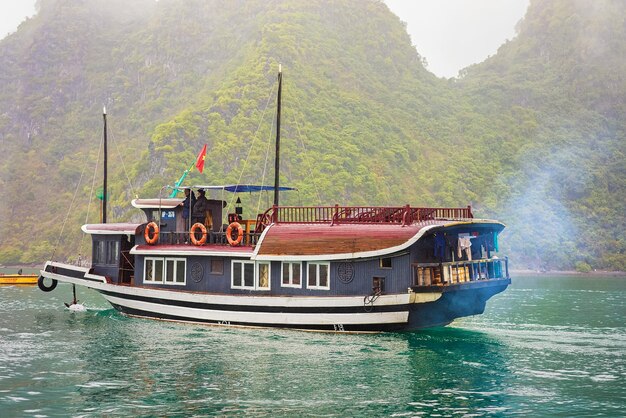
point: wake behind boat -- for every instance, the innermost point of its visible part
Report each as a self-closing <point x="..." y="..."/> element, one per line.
<point x="333" y="268"/>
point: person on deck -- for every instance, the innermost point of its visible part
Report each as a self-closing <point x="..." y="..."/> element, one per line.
<point x="200" y="208"/>
<point x="188" y="204"/>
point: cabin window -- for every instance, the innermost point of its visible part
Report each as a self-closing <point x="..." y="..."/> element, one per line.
<point x="378" y="285"/>
<point x="243" y="275"/>
<point x="318" y="276"/>
<point x="175" y="269"/>
<point x="99" y="252"/>
<point x="165" y="270"/>
<point x="263" y="275"/>
<point x="247" y="275"/>
<point x="113" y="252"/>
<point x="106" y="252"/>
<point x="153" y="270"/>
<point x="217" y="266"/>
<point x="155" y="215"/>
<point x="385" y="263"/>
<point x="291" y="274"/>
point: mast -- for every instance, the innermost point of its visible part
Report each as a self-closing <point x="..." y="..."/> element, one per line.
<point x="104" y="186"/>
<point x="277" y="160"/>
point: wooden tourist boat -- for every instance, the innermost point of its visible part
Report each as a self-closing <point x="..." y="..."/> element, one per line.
<point x="331" y="268"/>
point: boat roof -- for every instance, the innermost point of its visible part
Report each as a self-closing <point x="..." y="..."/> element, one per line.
<point x="237" y="188"/>
<point x="171" y="203"/>
<point x="348" y="241"/>
<point x="164" y="203"/>
<point x="111" y="228"/>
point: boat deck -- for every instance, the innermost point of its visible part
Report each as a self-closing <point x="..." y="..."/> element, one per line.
<point x="190" y="250"/>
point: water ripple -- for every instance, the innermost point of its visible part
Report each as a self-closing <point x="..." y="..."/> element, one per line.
<point x="530" y="354"/>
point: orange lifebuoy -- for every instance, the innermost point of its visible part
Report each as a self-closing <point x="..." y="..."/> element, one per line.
<point x="229" y="233"/>
<point x="151" y="234"/>
<point x="192" y="233"/>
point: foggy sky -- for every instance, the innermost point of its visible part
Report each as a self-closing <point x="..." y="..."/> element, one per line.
<point x="12" y="13"/>
<point x="450" y="34"/>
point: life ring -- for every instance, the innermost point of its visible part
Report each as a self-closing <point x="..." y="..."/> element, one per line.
<point x="229" y="232"/>
<point x="192" y="233"/>
<point x="151" y="234"/>
<point x="45" y="288"/>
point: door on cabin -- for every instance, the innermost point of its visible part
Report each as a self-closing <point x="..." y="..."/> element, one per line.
<point x="127" y="261"/>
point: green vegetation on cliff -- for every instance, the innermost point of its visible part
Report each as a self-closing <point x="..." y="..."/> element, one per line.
<point x="533" y="136"/>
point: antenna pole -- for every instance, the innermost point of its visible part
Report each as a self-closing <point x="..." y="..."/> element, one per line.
<point x="277" y="160"/>
<point x="104" y="186"/>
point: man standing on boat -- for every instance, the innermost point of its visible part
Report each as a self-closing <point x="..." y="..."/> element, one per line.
<point x="201" y="210"/>
<point x="188" y="203"/>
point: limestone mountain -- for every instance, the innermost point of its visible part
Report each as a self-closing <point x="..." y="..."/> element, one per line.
<point x="533" y="136"/>
<point x="556" y="95"/>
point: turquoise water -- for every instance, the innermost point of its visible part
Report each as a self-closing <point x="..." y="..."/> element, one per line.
<point x="546" y="346"/>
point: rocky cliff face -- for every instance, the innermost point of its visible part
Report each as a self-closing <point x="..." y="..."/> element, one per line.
<point x="533" y="136"/>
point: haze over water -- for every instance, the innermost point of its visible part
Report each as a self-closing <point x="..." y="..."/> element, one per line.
<point x="549" y="345"/>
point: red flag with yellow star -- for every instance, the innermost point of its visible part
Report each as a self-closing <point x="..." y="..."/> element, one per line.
<point x="200" y="160"/>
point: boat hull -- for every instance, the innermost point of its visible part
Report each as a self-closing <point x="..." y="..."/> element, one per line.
<point x="456" y="301"/>
<point x="395" y="312"/>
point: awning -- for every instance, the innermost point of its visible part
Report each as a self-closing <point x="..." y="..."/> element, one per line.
<point x="165" y="203"/>
<point x="111" y="229"/>
<point x="237" y="188"/>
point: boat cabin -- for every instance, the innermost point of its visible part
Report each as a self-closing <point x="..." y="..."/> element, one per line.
<point x="111" y="250"/>
<point x="173" y="227"/>
<point x="316" y="250"/>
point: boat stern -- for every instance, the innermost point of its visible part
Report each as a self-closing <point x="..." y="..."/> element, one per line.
<point x="455" y="301"/>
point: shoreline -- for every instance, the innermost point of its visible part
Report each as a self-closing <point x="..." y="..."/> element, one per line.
<point x="569" y="273"/>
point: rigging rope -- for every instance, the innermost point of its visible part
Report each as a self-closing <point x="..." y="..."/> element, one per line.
<point x="93" y="182"/>
<point x="117" y="148"/>
<point x="80" y="180"/>
<point x="267" y="155"/>
<point x="254" y="138"/>
<point x="311" y="177"/>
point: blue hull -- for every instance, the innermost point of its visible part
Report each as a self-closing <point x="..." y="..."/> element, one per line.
<point x="459" y="300"/>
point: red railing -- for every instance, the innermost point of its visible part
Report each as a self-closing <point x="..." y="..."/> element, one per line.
<point x="403" y="215"/>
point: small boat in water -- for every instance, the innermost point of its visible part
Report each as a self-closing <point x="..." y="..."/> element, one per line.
<point x="332" y="268"/>
<point x="18" y="278"/>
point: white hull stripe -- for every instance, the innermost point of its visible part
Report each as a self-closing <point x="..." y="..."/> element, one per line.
<point x="277" y="318"/>
<point x="261" y="308"/>
<point x="234" y="300"/>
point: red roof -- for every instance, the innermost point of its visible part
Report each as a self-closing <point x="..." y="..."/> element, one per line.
<point x="319" y="239"/>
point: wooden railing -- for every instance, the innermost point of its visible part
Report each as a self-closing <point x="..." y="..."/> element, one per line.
<point x="333" y="215"/>
<point x="441" y="274"/>
<point x="403" y="215"/>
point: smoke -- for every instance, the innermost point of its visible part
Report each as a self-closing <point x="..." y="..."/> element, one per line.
<point x="543" y="232"/>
